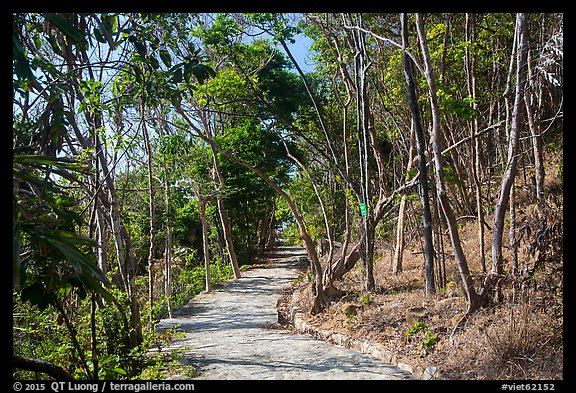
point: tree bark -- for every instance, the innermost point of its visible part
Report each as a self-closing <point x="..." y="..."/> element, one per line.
<point x="56" y="372"/>
<point x="151" y="207"/>
<point x="421" y="150"/>
<point x="205" y="246"/>
<point x="365" y="140"/>
<point x="475" y="147"/>
<point x="219" y="180"/>
<point x="227" y="230"/>
<point x="533" y="117"/>
<point x="473" y="297"/>
<point x="510" y="173"/>
<point x="168" y="248"/>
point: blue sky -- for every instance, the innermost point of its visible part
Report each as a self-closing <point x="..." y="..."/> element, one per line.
<point x="300" y="51"/>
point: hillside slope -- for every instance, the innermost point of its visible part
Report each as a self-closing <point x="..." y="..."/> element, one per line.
<point x="519" y="337"/>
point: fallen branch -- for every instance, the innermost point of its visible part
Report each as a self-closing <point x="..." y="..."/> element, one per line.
<point x="42" y="366"/>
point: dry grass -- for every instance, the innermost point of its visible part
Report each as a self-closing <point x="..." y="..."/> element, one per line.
<point x="520" y="337"/>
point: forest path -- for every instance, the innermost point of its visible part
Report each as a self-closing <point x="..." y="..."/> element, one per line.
<point x="233" y="333"/>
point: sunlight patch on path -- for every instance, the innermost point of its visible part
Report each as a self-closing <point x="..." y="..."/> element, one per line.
<point x="233" y="333"/>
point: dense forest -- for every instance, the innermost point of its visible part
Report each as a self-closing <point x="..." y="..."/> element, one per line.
<point x="155" y="155"/>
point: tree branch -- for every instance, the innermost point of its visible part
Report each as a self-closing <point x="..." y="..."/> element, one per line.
<point x="42" y="366"/>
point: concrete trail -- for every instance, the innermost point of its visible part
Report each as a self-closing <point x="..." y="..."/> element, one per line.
<point x="233" y="333"/>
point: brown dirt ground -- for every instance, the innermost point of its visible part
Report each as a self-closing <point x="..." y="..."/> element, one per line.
<point x="520" y="337"/>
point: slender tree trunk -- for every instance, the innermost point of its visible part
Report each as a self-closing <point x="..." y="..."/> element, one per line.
<point x="123" y="244"/>
<point x="533" y="118"/>
<point x="168" y="249"/>
<point x="440" y="246"/>
<point x="508" y="177"/>
<point x="125" y="257"/>
<point x="327" y="228"/>
<point x="399" y="246"/>
<point x="151" y="207"/>
<point x="512" y="231"/>
<point x="226" y="228"/>
<point x="219" y="180"/>
<point x="73" y="337"/>
<point x="473" y="297"/>
<point x="321" y="300"/>
<point x="421" y="149"/>
<point x="93" y="336"/>
<point x="102" y="236"/>
<point x="475" y="156"/>
<point x="205" y="248"/>
<point x="362" y="120"/>
<point x="231" y="252"/>
<point x="135" y="323"/>
<point x="168" y="270"/>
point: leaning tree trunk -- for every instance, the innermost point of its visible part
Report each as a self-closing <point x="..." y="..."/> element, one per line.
<point x="320" y="299"/>
<point x="226" y="228"/>
<point x="219" y="180"/>
<point x="124" y="252"/>
<point x="473" y="298"/>
<point x="509" y="175"/>
<point x="318" y="194"/>
<point x="420" y="147"/>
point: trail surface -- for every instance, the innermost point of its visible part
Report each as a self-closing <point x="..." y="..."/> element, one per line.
<point x="233" y="333"/>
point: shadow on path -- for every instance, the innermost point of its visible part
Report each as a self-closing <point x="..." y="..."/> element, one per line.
<point x="228" y="335"/>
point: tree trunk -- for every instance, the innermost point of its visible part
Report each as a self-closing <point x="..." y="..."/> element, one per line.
<point x="510" y="173"/>
<point x="399" y="246"/>
<point x="205" y="248"/>
<point x="473" y="297"/>
<point x="125" y="257"/>
<point x="512" y="232"/>
<point x="93" y="335"/>
<point x="533" y="117"/>
<point x="327" y="228"/>
<point x="219" y="180"/>
<point x="321" y="300"/>
<point x="475" y="156"/>
<point x="103" y="237"/>
<point x="362" y="120"/>
<point x="226" y="228"/>
<point x="152" y="233"/>
<point x="227" y="232"/>
<point x="168" y="249"/>
<point x="421" y="149"/>
<point x="41" y="366"/>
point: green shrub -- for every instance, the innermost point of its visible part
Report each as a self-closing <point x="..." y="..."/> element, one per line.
<point x="421" y="330"/>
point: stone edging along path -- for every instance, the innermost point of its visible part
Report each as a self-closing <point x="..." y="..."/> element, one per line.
<point x="364" y="346"/>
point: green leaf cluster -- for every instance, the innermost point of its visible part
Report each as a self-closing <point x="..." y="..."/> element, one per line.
<point x="421" y="331"/>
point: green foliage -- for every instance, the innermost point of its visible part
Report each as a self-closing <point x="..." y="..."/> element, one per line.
<point x="275" y="22"/>
<point x="365" y="298"/>
<point x="42" y="334"/>
<point x="56" y="257"/>
<point x="127" y="68"/>
<point x="451" y="176"/>
<point x="421" y="331"/>
<point x="219" y="35"/>
<point x="462" y="108"/>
